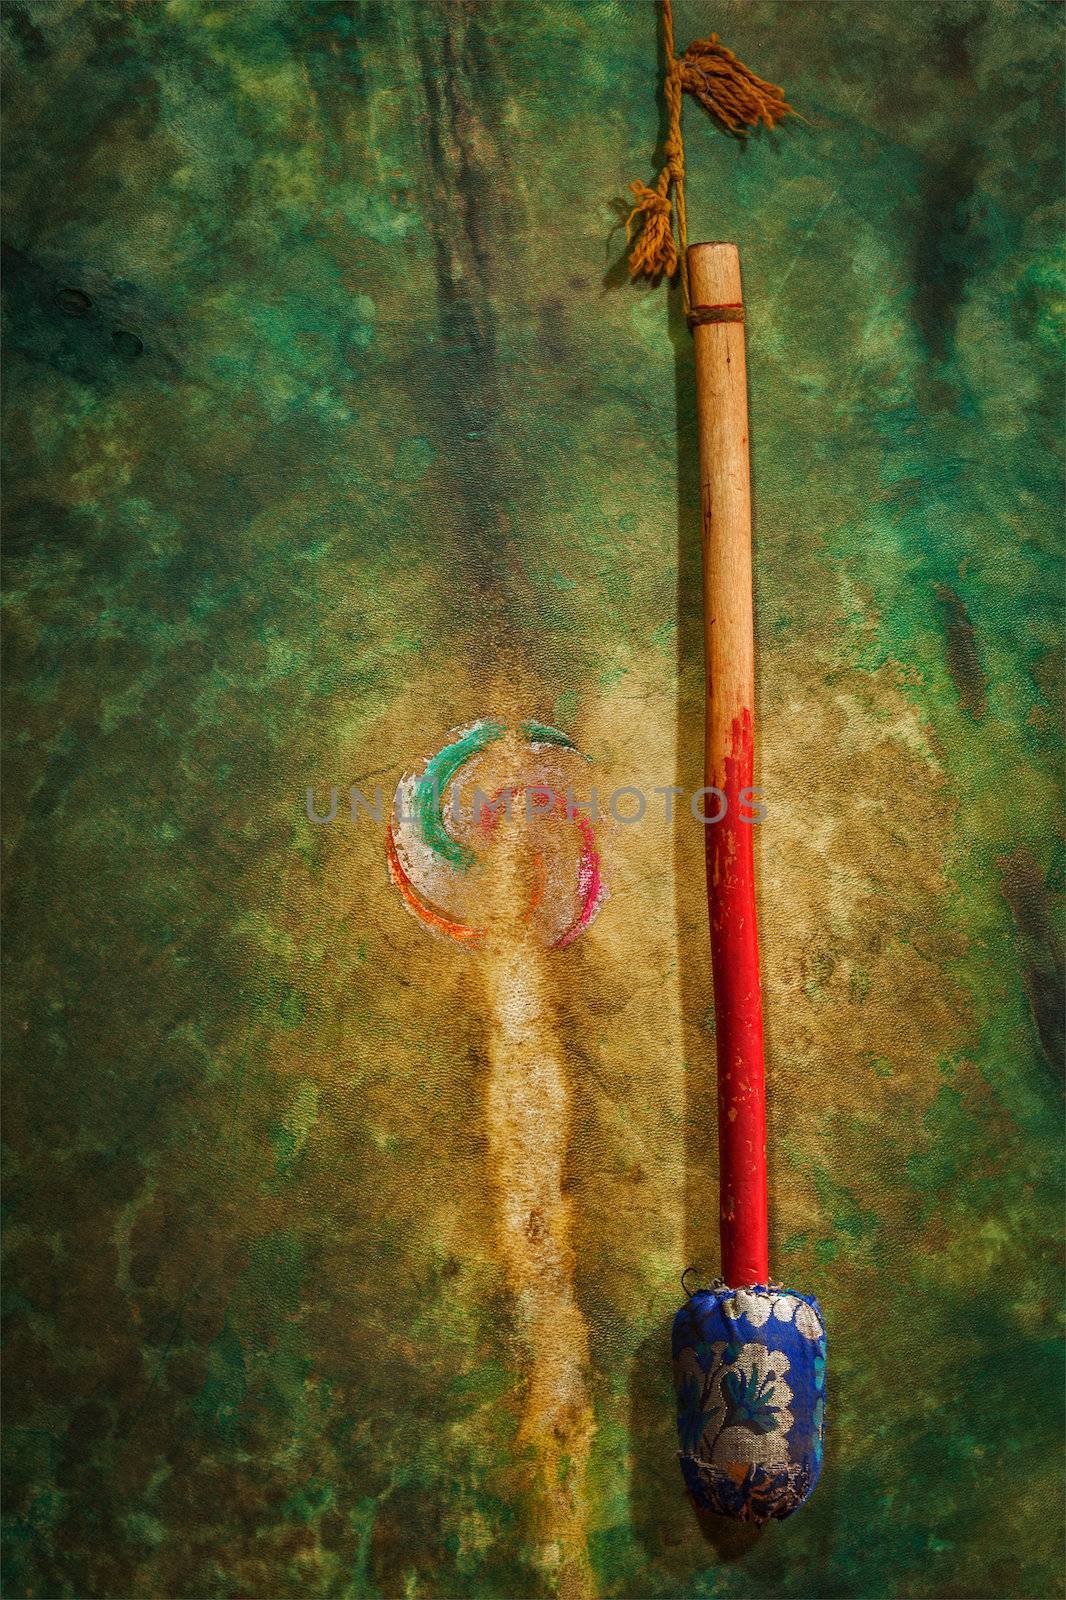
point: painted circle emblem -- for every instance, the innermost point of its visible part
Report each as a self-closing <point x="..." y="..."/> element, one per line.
<point x="495" y="831"/>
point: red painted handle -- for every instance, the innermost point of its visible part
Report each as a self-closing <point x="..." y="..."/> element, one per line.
<point x="722" y="411"/>
<point x="738" y="1014"/>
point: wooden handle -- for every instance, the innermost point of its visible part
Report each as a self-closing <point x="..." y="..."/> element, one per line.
<point x="725" y="495"/>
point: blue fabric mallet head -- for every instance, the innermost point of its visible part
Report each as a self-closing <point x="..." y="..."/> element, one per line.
<point x="749" y="1366"/>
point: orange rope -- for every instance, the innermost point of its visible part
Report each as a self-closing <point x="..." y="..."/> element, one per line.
<point x="732" y="94"/>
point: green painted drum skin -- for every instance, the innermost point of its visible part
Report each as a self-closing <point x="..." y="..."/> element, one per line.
<point x="333" y="424"/>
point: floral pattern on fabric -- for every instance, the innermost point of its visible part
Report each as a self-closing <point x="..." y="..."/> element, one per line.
<point x="749" y="1366"/>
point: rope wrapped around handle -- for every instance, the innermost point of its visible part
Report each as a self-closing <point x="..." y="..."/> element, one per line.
<point x="732" y="94"/>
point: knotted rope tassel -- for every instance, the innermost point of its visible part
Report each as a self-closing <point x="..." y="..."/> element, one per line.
<point x="732" y="94"/>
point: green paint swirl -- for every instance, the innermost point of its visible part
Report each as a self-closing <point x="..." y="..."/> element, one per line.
<point x="540" y="733"/>
<point x="440" y="770"/>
